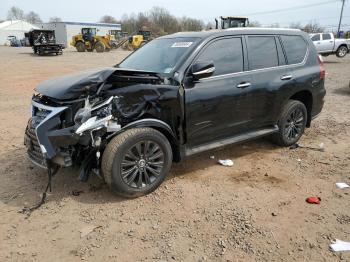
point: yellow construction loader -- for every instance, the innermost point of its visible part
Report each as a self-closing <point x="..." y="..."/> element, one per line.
<point x="89" y="41"/>
<point x="136" y="41"/>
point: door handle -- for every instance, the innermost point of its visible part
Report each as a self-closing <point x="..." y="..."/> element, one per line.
<point x="287" y="77"/>
<point x="244" y="85"/>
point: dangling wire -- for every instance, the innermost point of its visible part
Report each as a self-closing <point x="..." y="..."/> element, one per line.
<point x="51" y="171"/>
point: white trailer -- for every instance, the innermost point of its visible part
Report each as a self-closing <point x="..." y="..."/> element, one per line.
<point x="64" y="31"/>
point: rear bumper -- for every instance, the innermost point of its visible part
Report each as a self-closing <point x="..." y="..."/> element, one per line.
<point x="318" y="102"/>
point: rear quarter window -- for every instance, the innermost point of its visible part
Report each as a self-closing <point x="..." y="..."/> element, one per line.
<point x="295" y="48"/>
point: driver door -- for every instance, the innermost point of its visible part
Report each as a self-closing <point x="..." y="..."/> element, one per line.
<point x="211" y="102"/>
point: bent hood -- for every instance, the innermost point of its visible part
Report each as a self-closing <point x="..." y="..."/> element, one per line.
<point x="74" y="85"/>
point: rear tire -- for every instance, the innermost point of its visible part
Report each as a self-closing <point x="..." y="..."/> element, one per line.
<point x="291" y="124"/>
<point x="136" y="162"/>
<point x="80" y="46"/>
<point x="342" y="51"/>
<point x="99" y="47"/>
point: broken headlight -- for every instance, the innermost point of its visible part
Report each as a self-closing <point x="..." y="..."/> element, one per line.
<point x="94" y="116"/>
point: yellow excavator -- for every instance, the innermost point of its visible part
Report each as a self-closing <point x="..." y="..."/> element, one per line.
<point x="89" y="41"/>
<point x="136" y="41"/>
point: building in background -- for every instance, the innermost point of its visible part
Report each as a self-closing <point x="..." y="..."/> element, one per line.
<point x="64" y="31"/>
<point x="14" y="28"/>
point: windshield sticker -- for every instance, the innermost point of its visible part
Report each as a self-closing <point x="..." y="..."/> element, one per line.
<point x="182" y="44"/>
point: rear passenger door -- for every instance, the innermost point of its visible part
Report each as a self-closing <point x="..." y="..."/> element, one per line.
<point x="266" y="66"/>
<point x="327" y="43"/>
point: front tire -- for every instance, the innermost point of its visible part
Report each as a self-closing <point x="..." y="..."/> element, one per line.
<point x="342" y="51"/>
<point x="291" y="124"/>
<point x="99" y="47"/>
<point x="136" y="162"/>
<point x="80" y="46"/>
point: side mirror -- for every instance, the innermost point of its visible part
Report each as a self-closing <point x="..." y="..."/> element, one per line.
<point x="202" y="69"/>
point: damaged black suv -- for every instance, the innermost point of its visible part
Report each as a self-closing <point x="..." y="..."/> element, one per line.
<point x="176" y="96"/>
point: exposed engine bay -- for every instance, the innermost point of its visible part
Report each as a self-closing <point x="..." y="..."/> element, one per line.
<point x="74" y="117"/>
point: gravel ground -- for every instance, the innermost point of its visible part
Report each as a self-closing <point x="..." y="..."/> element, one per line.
<point x="253" y="211"/>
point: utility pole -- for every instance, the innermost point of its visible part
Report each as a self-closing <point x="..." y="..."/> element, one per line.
<point x="341" y="17"/>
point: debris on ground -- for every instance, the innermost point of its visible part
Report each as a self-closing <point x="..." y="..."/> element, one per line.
<point x="212" y="157"/>
<point x="77" y="192"/>
<point x="320" y="148"/>
<point x="87" y="230"/>
<point x="342" y="185"/>
<point x="226" y="162"/>
<point x="339" y="245"/>
<point x="313" y="200"/>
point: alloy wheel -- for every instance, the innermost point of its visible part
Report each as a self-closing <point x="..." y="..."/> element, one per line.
<point x="295" y="124"/>
<point x="142" y="164"/>
<point x="342" y="51"/>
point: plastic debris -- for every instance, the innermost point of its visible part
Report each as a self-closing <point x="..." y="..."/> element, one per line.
<point x="339" y="245"/>
<point x="212" y="157"/>
<point x="342" y="185"/>
<point x="320" y="148"/>
<point x="313" y="200"/>
<point x="226" y="162"/>
<point x="87" y="230"/>
<point x="77" y="192"/>
<point x="299" y="160"/>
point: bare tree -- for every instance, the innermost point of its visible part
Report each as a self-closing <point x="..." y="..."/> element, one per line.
<point x="254" y="24"/>
<point x="209" y="26"/>
<point x="160" y="22"/>
<point x="33" y="18"/>
<point x="15" y="13"/>
<point x="129" y="23"/>
<point x="313" y="27"/>
<point x="190" y="24"/>
<point x="296" y="25"/>
<point x="108" y="19"/>
<point x="55" y="19"/>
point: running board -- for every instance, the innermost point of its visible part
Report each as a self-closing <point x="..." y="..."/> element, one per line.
<point x="232" y="140"/>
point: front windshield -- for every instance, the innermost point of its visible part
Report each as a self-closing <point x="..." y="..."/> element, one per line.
<point x="160" y="55"/>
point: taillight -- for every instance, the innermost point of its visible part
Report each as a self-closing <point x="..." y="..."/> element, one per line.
<point x="322" y="67"/>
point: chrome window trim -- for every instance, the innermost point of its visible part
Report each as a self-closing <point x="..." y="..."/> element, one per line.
<point x="256" y="70"/>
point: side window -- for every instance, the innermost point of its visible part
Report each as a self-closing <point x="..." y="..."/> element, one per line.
<point x="326" y="37"/>
<point x="316" y="37"/>
<point x="227" y="55"/>
<point x="295" y="48"/>
<point x="262" y="52"/>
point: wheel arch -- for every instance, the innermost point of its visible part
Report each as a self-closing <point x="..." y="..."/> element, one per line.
<point x="305" y="97"/>
<point x="160" y="126"/>
<point x="343" y="45"/>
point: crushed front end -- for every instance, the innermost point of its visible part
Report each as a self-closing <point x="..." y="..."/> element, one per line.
<point x="64" y="134"/>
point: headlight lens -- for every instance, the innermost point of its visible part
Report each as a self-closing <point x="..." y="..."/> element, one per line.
<point x="101" y="110"/>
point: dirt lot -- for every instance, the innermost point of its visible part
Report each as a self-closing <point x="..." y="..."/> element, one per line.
<point x="255" y="210"/>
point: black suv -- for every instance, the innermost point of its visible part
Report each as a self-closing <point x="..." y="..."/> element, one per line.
<point x="178" y="95"/>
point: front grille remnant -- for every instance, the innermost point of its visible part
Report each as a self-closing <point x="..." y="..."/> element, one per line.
<point x="32" y="144"/>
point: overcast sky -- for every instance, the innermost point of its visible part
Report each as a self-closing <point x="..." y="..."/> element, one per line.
<point x="207" y="10"/>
